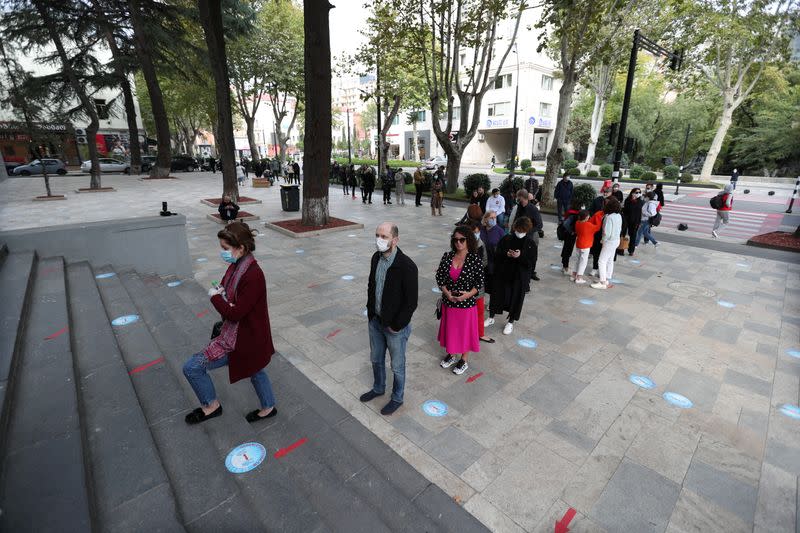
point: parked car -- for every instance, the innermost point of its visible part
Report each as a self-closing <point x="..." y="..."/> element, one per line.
<point x="183" y="162"/>
<point x="147" y="162"/>
<point x="10" y="166"/>
<point x="53" y="166"/>
<point x="108" y="165"/>
<point x="435" y="162"/>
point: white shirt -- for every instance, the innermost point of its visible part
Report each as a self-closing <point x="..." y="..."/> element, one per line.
<point x="239" y="171"/>
<point x="498" y="205"/>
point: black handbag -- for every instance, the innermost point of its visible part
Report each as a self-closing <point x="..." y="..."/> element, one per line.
<point x="216" y="329"/>
<point x="439" y="309"/>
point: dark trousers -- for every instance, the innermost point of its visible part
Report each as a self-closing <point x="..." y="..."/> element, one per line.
<point x="632" y="231"/>
<point x="366" y="196"/>
<point x="387" y="195"/>
<point x="344" y="188"/>
<point x="595" y="250"/>
<point x="566" y="250"/>
<point x="418" y="198"/>
<point x="561" y="208"/>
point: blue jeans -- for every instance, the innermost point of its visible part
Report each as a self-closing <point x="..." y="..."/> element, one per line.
<point x="561" y="208"/>
<point x="644" y="231"/>
<point x="196" y="372"/>
<point x="381" y="338"/>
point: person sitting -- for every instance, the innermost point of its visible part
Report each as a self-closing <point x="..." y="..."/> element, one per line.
<point x="228" y="209"/>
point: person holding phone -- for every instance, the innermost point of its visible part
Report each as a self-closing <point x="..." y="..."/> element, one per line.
<point x="512" y="270"/>
<point x="460" y="278"/>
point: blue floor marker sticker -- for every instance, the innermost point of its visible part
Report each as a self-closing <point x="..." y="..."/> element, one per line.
<point x="742" y="265"/>
<point x="792" y="411"/>
<point x="617" y="281"/>
<point x="558" y="246"/>
<point x="105" y="276"/>
<point x="726" y="304"/>
<point x="125" y="320"/>
<point x="434" y="408"/>
<point x="299" y="251"/>
<point x="201" y="259"/>
<point x="348" y="277"/>
<point x="528" y="343"/>
<point x="555" y="267"/>
<point x="174" y="283"/>
<point x="793" y="353"/>
<point x="245" y="457"/>
<point x="437" y="290"/>
<point x="586" y="301"/>
<point x="635" y="261"/>
<point x="352" y="235"/>
<point x="422" y="246"/>
<point x="642" y="381"/>
<point x="364" y="312"/>
<point x="678" y="400"/>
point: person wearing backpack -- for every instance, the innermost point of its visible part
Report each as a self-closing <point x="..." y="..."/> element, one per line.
<point x="723" y="203"/>
<point x="566" y="233"/>
<point x="649" y="211"/>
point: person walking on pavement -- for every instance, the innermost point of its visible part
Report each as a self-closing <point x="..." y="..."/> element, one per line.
<point x="725" y="202"/>
<point x="649" y="210"/>
<point x="527" y="208"/>
<point x="391" y="302"/>
<point x="367" y="184"/>
<point x="240" y="174"/>
<point x="563" y="195"/>
<point x="460" y="278"/>
<point x="387" y="182"/>
<point x="612" y="227"/>
<point x="440" y="175"/>
<point x="734" y="178"/>
<point x="244" y="343"/>
<point x="437" y="195"/>
<point x="659" y="192"/>
<point x="296" y="169"/>
<point x="419" y="180"/>
<point x="352" y="180"/>
<point x="494" y="161"/>
<point x="597" y="245"/>
<point x="400" y="187"/>
<point x="632" y="217"/>
<point x="568" y="232"/>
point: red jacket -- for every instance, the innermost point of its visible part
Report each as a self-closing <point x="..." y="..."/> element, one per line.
<point x="254" y="348"/>
<point x="585" y="230"/>
<point x="725" y="206"/>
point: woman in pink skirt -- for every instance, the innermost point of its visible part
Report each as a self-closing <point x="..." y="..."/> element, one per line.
<point x="460" y="277"/>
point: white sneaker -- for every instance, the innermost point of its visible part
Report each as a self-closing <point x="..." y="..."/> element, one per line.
<point x="448" y="361"/>
<point x="460" y="367"/>
<point x="565" y="271"/>
<point x="508" y="329"/>
<point x="599" y="285"/>
<point x="580" y="281"/>
<point x="595" y="273"/>
<point x="488" y="322"/>
<point x="714" y="234"/>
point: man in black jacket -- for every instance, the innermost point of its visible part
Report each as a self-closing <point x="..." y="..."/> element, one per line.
<point x="391" y="301"/>
<point x="526" y="207"/>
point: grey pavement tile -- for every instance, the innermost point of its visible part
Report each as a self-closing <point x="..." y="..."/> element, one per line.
<point x="454" y="449"/>
<point x="572" y="435"/>
<point x="636" y="499"/>
<point x="466" y="396"/>
<point x="720" y="331"/>
<point x="764" y="329"/>
<point x="723" y="489"/>
<point x="552" y="393"/>
<point x="559" y="362"/>
<point x="701" y="389"/>
<point x="777" y="508"/>
<point x="766" y="348"/>
<point x="783" y="456"/>
<point x="411" y="429"/>
<point x="749" y="276"/>
<point x="759" y="386"/>
<point x="754" y="420"/>
<point x="729" y="458"/>
<point x="695" y="514"/>
<point x="332" y="312"/>
<point x="556" y="332"/>
<point x="664" y="449"/>
<point x="656" y="298"/>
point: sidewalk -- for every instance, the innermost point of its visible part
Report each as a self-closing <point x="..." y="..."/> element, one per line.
<point x="546" y="425"/>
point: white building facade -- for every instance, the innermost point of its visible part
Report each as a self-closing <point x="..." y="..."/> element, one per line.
<point x="264" y="130"/>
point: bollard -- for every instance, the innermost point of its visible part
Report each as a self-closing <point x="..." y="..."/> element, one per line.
<point x="794" y="194"/>
<point x="677" y="186"/>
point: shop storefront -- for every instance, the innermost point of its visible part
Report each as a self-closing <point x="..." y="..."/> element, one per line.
<point x="53" y="140"/>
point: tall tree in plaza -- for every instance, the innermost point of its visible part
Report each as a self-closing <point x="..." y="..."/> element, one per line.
<point x="444" y="30"/>
<point x="734" y="42"/>
<point x="211" y="19"/>
<point x="317" y="129"/>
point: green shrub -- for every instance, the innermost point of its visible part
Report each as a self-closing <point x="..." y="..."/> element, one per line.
<point x="687" y="177"/>
<point x="473" y="181"/>
<point x="649" y="176"/>
<point x="636" y="172"/>
<point x="573" y="171"/>
<point x="592" y="174"/>
<point x="606" y="169"/>
<point x="671" y="172"/>
<point x="570" y="163"/>
<point x="583" y="195"/>
<point x="525" y="164"/>
<point x="508" y="185"/>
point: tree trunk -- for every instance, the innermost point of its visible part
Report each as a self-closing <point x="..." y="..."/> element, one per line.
<point x="251" y="137"/>
<point x="142" y="43"/>
<point x="562" y="119"/>
<point x="211" y="19"/>
<point x="716" y="145"/>
<point x="388" y="115"/>
<point x="317" y="142"/>
<point x="594" y="133"/>
<point x="415" y="140"/>
<point x="86" y="104"/>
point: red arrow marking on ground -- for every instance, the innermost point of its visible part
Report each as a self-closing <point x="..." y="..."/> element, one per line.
<point x="146" y="366"/>
<point x="473" y="378"/>
<point x="312" y="285"/>
<point x="201" y="314"/>
<point x="56" y="334"/>
<point x="563" y="525"/>
<point x="284" y="451"/>
<point x="333" y="333"/>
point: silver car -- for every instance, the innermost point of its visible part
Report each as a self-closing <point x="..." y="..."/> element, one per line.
<point x="108" y="165"/>
<point x="53" y="166"/>
<point x="435" y="162"/>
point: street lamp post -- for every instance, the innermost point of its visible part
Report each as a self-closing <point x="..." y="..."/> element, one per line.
<point x="349" y="146"/>
<point x="683" y="156"/>
<point x="514" y="131"/>
<point x="639" y="41"/>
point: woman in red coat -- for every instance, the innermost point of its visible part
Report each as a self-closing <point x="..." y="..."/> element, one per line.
<point x="244" y="344"/>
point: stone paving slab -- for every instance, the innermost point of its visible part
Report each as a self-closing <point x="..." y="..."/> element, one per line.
<point x="555" y="426"/>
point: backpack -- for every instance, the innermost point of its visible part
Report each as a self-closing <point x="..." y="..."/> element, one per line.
<point x="655" y="220"/>
<point x="566" y="228"/>
<point x="718" y="201"/>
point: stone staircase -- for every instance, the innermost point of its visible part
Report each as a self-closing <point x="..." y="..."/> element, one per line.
<point x="92" y="435"/>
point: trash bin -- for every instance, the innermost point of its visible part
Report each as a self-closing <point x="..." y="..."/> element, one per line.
<point x="290" y="197"/>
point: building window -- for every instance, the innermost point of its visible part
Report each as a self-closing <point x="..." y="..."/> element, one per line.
<point x="545" y="110"/>
<point x="498" y="110"/>
<point x="502" y="81"/>
<point x="456" y="113"/>
<point x="547" y="82"/>
<point x="420" y="116"/>
<point x="396" y="120"/>
<point x="463" y="59"/>
<point x="102" y="109"/>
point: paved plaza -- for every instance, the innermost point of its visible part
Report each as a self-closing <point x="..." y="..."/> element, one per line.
<point x="553" y="416"/>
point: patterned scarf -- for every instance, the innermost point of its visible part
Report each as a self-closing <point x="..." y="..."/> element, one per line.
<point x="226" y="341"/>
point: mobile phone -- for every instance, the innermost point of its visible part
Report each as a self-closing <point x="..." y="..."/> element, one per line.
<point x="215" y="284"/>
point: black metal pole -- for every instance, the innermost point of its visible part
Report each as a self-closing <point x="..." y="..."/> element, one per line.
<point x="626" y="102"/>
<point x="349" y="146"/>
<point x="378" y="103"/>
<point x="794" y="194"/>
<point x="685" y="143"/>
<point x="515" y="133"/>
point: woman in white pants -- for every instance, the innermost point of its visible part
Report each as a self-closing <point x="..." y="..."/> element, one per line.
<point x="612" y="227"/>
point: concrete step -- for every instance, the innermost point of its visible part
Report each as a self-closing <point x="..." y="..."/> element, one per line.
<point x="356" y="457"/>
<point x="16" y="283"/>
<point x="132" y="489"/>
<point x="45" y="484"/>
<point x="207" y="498"/>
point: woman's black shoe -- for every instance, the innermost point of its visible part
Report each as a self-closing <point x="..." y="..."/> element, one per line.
<point x="197" y="416"/>
<point x="254" y="417"/>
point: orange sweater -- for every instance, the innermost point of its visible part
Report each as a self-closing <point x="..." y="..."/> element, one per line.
<point x="585" y="230"/>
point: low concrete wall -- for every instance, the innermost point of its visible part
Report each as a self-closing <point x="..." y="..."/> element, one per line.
<point x="148" y="245"/>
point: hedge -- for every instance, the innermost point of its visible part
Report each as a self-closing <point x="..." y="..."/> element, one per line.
<point x="671" y="172"/>
<point x="636" y="172"/>
<point x="570" y="163"/>
<point x="606" y="170"/>
<point x="649" y="176"/>
<point x="473" y="181"/>
<point x="525" y="164"/>
<point x="592" y="174"/>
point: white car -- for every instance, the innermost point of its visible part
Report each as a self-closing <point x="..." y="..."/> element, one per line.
<point x="108" y="165"/>
<point x="435" y="162"/>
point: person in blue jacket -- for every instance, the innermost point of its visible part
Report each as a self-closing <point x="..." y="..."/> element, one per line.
<point x="563" y="196"/>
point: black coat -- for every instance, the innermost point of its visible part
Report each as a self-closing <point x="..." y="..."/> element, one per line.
<point x="511" y="276"/>
<point x="228" y="211"/>
<point x="632" y="212"/>
<point x="471" y="277"/>
<point x="400" y="290"/>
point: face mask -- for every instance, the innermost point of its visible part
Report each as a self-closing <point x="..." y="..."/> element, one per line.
<point x="492" y="222"/>
<point x="478" y="235"/>
<point x="637" y="195"/>
<point x="520" y="235"/>
<point x="382" y="245"/>
<point x="227" y="256"/>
